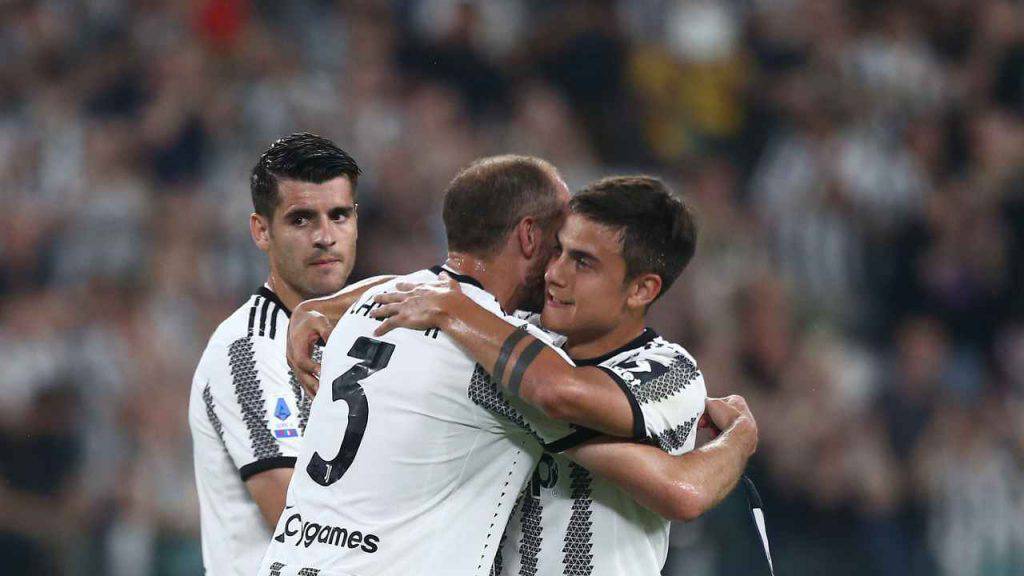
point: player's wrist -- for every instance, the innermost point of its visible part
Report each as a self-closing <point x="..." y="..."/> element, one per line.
<point x="328" y="308"/>
<point x="447" y="309"/>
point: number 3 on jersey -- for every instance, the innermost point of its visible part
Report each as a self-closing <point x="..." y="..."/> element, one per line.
<point x="375" y="356"/>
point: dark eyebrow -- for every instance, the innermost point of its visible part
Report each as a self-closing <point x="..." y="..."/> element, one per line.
<point x="300" y="213"/>
<point x="582" y="255"/>
<point x="310" y="214"/>
<point x="345" y="211"/>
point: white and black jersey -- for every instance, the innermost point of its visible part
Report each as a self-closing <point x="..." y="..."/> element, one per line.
<point x="568" y="521"/>
<point x="413" y="457"/>
<point x="247" y="414"/>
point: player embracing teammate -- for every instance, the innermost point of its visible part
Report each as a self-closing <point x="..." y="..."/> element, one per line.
<point x="625" y="241"/>
<point x="424" y="439"/>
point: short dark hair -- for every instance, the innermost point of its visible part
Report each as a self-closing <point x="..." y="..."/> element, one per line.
<point x="658" y="230"/>
<point x="304" y="157"/>
<point x="485" y="201"/>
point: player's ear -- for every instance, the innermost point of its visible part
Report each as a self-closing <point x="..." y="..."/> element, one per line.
<point x="259" y="228"/>
<point x="643" y="290"/>
<point x="528" y="235"/>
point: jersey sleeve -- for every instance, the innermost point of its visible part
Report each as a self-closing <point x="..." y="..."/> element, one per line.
<point x="255" y="404"/>
<point x="667" y="394"/>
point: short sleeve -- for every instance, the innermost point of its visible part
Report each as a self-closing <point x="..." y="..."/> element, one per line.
<point x="667" y="393"/>
<point x="255" y="405"/>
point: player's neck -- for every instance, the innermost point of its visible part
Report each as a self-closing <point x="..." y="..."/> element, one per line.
<point x="285" y="293"/>
<point x="495" y="279"/>
<point x="585" y="346"/>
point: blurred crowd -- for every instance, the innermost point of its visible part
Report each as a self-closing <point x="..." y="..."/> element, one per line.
<point x="858" y="168"/>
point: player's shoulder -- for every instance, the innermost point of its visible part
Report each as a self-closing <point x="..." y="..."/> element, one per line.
<point x="472" y="288"/>
<point x="256" y="329"/>
<point x="531" y="322"/>
<point x="649" y="346"/>
<point x="261" y="316"/>
<point x="469" y="286"/>
<point x="659" y="349"/>
<point x="650" y="359"/>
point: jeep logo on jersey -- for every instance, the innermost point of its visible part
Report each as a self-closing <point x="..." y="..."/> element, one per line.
<point x="309" y="533"/>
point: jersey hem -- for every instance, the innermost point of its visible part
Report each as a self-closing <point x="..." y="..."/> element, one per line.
<point x="254" y="468"/>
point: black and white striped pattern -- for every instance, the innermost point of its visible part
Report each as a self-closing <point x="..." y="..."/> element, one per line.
<point x="664" y="386"/>
<point x="529" y="546"/>
<point x="302" y="400"/>
<point x="680" y="374"/>
<point x="214" y="419"/>
<point x="252" y="314"/>
<point x="263" y="316"/>
<point x="675" y="438"/>
<point x="241" y="358"/>
<point x="485" y="393"/>
<point x="579" y="539"/>
<point x="275" y="569"/>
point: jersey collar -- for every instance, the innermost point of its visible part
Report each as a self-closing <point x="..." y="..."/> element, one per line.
<point x="270" y="295"/>
<point x="460" y="278"/>
<point x="645" y="337"/>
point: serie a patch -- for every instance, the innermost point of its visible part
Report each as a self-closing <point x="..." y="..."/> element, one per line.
<point x="281" y="411"/>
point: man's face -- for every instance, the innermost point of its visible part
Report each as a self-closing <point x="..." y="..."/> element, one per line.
<point x="586" y="289"/>
<point x="311" y="239"/>
<point x="534" y="283"/>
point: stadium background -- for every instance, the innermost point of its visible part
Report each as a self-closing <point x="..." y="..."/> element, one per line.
<point x="858" y="168"/>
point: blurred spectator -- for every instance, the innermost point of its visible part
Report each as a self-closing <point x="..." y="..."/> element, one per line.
<point x="857" y="166"/>
<point x="40" y="461"/>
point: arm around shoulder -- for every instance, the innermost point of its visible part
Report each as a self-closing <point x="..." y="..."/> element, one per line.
<point x="684" y="487"/>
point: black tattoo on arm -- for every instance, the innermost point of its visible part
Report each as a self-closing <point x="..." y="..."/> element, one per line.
<point x="526" y="357"/>
<point x="506" y="352"/>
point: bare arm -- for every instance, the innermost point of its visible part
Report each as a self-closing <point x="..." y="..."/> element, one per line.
<point x="679" y="488"/>
<point x="270" y="489"/>
<point x="313" y="321"/>
<point x="523" y="365"/>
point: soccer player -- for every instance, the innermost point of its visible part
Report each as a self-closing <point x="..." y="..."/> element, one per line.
<point x="624" y="243"/>
<point x="246" y="410"/>
<point x="414" y="457"/>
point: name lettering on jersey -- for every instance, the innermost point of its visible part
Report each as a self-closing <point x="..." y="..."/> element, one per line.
<point x="309" y="533"/>
<point x="365" y="308"/>
<point x="369" y="305"/>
